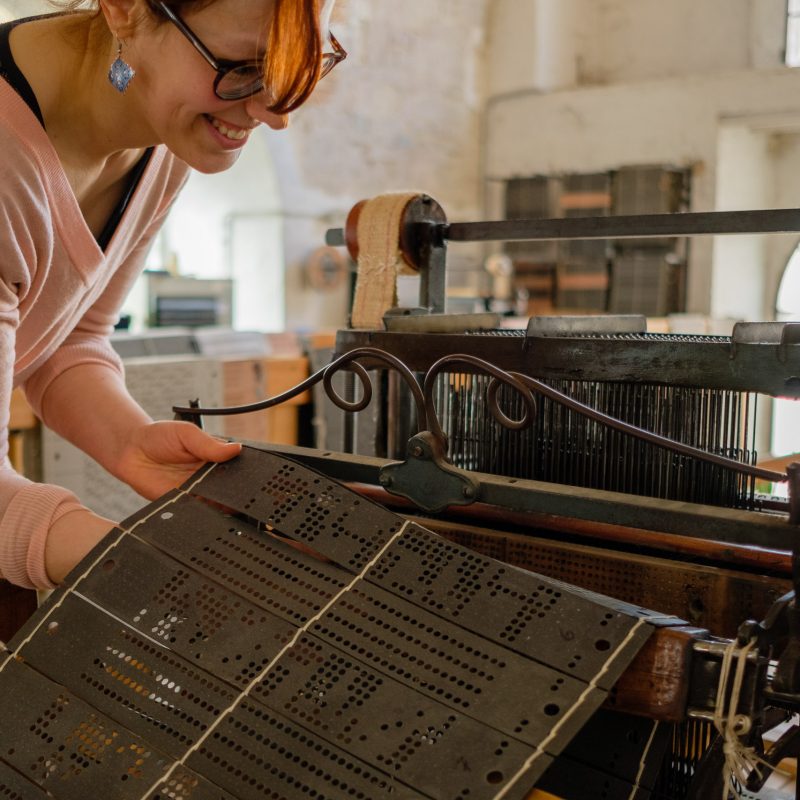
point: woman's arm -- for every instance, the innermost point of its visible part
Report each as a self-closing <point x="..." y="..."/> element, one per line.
<point x="80" y="391"/>
<point x="69" y="539"/>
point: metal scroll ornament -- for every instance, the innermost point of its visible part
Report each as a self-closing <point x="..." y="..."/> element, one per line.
<point x="428" y="424"/>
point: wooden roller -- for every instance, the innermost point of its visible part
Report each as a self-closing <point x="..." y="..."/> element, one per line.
<point x="420" y="214"/>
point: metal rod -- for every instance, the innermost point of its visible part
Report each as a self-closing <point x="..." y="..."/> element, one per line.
<point x="638" y="226"/>
<point x="704" y="716"/>
<point x="517" y="499"/>
<point x="719" y="648"/>
<point x="625" y="227"/>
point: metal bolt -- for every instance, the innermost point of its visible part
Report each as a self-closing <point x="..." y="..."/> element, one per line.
<point x="416" y="451"/>
<point x="469" y="492"/>
<point x="385" y="480"/>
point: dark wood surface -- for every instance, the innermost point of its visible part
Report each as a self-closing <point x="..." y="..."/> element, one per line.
<point x="16" y="605"/>
<point x="656" y="684"/>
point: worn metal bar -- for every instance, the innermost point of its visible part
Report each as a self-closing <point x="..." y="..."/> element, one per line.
<point x="637" y="226"/>
<point x="711" y="362"/>
<point x="646" y="513"/>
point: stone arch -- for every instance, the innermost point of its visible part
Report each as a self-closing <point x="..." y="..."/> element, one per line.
<point x="786" y="413"/>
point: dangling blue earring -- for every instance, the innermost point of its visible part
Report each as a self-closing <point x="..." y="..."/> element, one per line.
<point x="121" y="73"/>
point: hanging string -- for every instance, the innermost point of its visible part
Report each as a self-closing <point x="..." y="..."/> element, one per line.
<point x="740" y="761"/>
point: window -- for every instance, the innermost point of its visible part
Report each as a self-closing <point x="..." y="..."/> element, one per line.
<point x="788" y="304"/>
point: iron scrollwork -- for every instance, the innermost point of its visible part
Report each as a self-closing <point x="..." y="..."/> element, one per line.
<point x="427" y="416"/>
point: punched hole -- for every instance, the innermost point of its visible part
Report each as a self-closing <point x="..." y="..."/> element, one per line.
<point x="494" y="777"/>
<point x="696" y="608"/>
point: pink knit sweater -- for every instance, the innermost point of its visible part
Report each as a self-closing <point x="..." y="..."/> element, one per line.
<point x="59" y="300"/>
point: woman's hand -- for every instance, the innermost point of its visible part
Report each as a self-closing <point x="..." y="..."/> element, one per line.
<point x="161" y="455"/>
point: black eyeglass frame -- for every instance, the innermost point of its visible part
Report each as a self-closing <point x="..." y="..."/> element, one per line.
<point x="224" y="66"/>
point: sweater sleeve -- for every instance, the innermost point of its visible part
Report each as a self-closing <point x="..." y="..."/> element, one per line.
<point x="27" y="510"/>
<point x="27" y="231"/>
<point x="88" y="342"/>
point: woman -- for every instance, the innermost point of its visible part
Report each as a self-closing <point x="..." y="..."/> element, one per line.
<point x="102" y="114"/>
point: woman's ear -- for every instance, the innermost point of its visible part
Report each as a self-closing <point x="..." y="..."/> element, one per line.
<point x="123" y="16"/>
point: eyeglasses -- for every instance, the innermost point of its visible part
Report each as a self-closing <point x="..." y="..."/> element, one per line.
<point x="239" y="79"/>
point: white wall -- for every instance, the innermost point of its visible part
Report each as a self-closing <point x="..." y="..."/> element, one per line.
<point x="401" y="113"/>
<point x="785" y="148"/>
<point x="591" y="42"/>
<point x="656" y="83"/>
<point x="12" y="9"/>
<point x="623" y="41"/>
<point x="229" y="226"/>
<point x="674" y="121"/>
<point x="739" y="262"/>
<point x="532" y="45"/>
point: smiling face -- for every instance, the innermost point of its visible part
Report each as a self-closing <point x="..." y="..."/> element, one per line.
<point x="173" y="90"/>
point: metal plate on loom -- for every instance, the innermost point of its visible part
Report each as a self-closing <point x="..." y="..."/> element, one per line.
<point x="67" y="747"/>
<point x="485" y="679"/>
<point x="267" y="571"/>
<point x="127" y="675"/>
<point x="196" y="618"/>
<point x="406" y="667"/>
<point x="619" y="755"/>
<point x="184" y="784"/>
<point x="302" y="504"/>
<point x="15" y="787"/>
<point x="528" y="613"/>
<point x="568" y="779"/>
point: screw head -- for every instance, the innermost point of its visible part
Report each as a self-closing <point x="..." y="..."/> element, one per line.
<point x="416" y="451"/>
<point x="469" y="492"/>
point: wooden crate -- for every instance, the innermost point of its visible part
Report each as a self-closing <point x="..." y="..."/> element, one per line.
<point x="252" y="379"/>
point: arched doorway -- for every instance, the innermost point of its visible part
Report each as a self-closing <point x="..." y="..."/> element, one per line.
<point x="786" y="413"/>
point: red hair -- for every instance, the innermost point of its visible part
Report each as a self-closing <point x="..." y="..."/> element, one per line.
<point x="293" y="57"/>
<point x="294" y="51"/>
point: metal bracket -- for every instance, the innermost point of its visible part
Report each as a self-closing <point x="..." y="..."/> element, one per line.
<point x="782" y="334"/>
<point x="427" y="478"/>
<point x="187" y="415"/>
